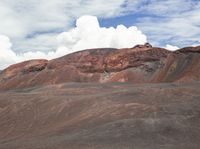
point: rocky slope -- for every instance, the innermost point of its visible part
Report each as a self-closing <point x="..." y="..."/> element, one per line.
<point x="138" y="98"/>
<point x="140" y="64"/>
<point x="101" y="116"/>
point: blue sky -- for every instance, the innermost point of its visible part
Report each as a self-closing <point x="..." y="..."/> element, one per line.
<point x="175" y="22"/>
<point x="30" y="28"/>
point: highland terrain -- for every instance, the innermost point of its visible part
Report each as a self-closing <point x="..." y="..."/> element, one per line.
<point x="134" y="98"/>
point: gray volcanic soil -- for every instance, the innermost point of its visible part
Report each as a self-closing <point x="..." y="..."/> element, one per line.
<point x="101" y="116"/>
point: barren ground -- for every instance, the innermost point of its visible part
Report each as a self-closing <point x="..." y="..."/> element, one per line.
<point x="101" y="116"/>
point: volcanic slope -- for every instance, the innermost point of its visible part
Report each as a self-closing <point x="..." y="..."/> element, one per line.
<point x="140" y="64"/>
<point x="101" y="116"/>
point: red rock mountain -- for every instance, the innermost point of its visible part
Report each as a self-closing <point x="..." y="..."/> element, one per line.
<point x="98" y="115"/>
<point x="140" y="64"/>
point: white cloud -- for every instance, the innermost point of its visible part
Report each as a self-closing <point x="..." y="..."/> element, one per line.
<point x="171" y="47"/>
<point x="22" y="18"/>
<point x="167" y="7"/>
<point x="7" y="56"/>
<point x="41" y="21"/>
<point x="166" y="22"/>
<point x="86" y="34"/>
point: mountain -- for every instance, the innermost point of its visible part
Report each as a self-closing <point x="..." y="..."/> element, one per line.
<point x="134" y="98"/>
<point x="140" y="64"/>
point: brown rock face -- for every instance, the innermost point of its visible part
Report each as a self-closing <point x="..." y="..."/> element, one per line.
<point x="24" y="68"/>
<point x="140" y="64"/>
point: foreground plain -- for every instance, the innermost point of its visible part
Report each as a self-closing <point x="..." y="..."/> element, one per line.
<point x="101" y="116"/>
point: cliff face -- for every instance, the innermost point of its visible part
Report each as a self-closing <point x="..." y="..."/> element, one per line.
<point x="140" y="64"/>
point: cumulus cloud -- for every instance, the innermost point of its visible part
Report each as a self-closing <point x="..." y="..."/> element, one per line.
<point x="7" y="56"/>
<point x="34" y="18"/>
<point x="26" y="22"/>
<point x="87" y="34"/>
<point x="171" y="47"/>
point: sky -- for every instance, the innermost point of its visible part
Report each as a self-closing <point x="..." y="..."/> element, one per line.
<point x="31" y="29"/>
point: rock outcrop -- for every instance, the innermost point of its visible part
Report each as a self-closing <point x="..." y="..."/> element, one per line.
<point x="140" y="64"/>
